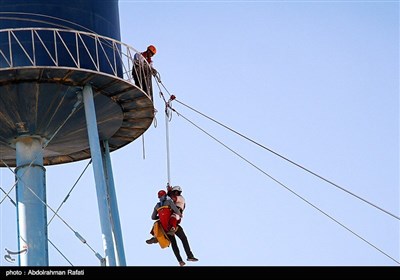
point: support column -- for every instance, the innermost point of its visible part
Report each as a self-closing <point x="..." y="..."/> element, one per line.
<point x="115" y="222"/>
<point x="98" y="171"/>
<point x="31" y="196"/>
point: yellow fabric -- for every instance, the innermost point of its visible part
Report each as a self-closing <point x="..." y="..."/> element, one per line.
<point x="160" y="235"/>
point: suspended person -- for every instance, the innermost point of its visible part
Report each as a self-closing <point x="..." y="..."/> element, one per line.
<point x="175" y="192"/>
<point x="162" y="213"/>
<point x="143" y="69"/>
<point x="176" y="228"/>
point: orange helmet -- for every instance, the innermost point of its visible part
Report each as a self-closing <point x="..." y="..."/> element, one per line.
<point x="161" y="193"/>
<point x="152" y="49"/>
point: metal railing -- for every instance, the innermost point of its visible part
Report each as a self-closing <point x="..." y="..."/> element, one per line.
<point x="49" y="47"/>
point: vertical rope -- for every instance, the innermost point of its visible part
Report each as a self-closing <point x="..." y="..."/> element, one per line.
<point x="143" y="148"/>
<point x="167" y="143"/>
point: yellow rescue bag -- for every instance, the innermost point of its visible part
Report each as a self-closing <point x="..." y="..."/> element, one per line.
<point x="160" y="234"/>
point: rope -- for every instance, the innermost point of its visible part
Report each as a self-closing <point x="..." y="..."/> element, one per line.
<point x="143" y="147"/>
<point x="293" y="192"/>
<point x="167" y="144"/>
<point x="294" y="163"/>
<point x="168" y="118"/>
<point x="168" y="105"/>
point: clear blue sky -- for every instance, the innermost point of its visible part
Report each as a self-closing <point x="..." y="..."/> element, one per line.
<point x="315" y="81"/>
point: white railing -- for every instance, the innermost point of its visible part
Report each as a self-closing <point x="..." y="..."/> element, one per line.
<point x="49" y="47"/>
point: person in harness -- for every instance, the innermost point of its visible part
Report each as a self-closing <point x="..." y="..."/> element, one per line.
<point x="175" y="193"/>
<point x="162" y="214"/>
<point x="164" y="209"/>
<point x="143" y="69"/>
<point x="173" y="221"/>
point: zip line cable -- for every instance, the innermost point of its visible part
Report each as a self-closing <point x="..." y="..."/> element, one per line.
<point x="293" y="192"/>
<point x="158" y="79"/>
<point x="168" y="104"/>
<point x="292" y="162"/>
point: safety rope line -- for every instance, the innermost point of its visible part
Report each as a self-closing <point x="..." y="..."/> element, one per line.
<point x="294" y="163"/>
<point x="48" y="239"/>
<point x="70" y="191"/>
<point x="279" y="155"/>
<point x="143" y="147"/>
<point x="293" y="192"/>
<point x="168" y="118"/>
<point x="167" y="146"/>
<point x="287" y="188"/>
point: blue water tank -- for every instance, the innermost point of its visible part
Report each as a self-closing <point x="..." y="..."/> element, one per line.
<point x="93" y="16"/>
<point x="101" y="17"/>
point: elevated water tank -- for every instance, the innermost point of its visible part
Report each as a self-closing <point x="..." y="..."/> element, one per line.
<point x="49" y="50"/>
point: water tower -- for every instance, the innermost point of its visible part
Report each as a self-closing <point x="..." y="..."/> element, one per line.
<point x="66" y="94"/>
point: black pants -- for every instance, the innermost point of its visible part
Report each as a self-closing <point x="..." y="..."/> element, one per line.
<point x="182" y="236"/>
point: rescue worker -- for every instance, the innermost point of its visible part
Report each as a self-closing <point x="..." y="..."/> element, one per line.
<point x="162" y="212"/>
<point x="143" y="69"/>
<point x="176" y="228"/>
<point x="175" y="194"/>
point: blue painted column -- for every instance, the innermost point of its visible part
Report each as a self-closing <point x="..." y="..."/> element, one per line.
<point x="99" y="177"/>
<point x="31" y="199"/>
<point x="113" y="204"/>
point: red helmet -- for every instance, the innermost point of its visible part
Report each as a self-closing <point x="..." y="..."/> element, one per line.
<point x="161" y="193"/>
<point x="152" y="49"/>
